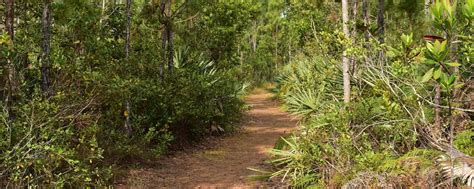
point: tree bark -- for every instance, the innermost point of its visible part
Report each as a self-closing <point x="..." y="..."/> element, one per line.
<point x="437" y="130"/>
<point x="365" y="14"/>
<point x="164" y="38"/>
<point x="170" y="45"/>
<point x="239" y="52"/>
<point x="127" y="114"/>
<point x="46" y="48"/>
<point x="380" y="20"/>
<point x="354" y="8"/>
<point x="275" y="39"/>
<point x="9" y="18"/>
<point x="345" y="59"/>
<point x="167" y="36"/>
<point x="10" y="82"/>
<point x="427" y="9"/>
<point x="254" y="36"/>
<point x="102" y="14"/>
<point x="128" y="27"/>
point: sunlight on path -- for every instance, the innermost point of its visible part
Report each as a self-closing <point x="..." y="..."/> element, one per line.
<point x="225" y="164"/>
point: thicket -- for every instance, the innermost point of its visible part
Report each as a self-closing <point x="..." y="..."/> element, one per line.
<point x="409" y="119"/>
<point x="87" y="85"/>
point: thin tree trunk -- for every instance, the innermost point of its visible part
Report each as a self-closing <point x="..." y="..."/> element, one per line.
<point x="9" y="27"/>
<point x="254" y="36"/>
<point x="381" y="21"/>
<point x="128" y="27"/>
<point x="275" y="39"/>
<point x="239" y="51"/>
<point x="289" y="50"/>
<point x="353" y="14"/>
<point x="438" y="115"/>
<point x="170" y="47"/>
<point x="345" y="59"/>
<point x="102" y="12"/>
<point x="354" y="8"/>
<point x="45" y="55"/>
<point x="381" y="30"/>
<point x="169" y="30"/>
<point x="127" y="114"/>
<point x="365" y="14"/>
<point x="427" y="9"/>
<point x="166" y="36"/>
<point x="10" y="17"/>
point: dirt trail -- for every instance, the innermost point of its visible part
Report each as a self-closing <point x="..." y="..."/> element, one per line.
<point x="223" y="165"/>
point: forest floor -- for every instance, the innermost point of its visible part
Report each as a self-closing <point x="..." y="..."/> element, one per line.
<point x="224" y="162"/>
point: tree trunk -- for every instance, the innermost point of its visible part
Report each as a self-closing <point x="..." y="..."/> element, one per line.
<point x="239" y="52"/>
<point x="275" y="39"/>
<point x="9" y="18"/>
<point x="345" y="59"/>
<point x="289" y="50"/>
<point x="127" y="114"/>
<point x="380" y="20"/>
<point x="354" y="8"/>
<point x="102" y="14"/>
<point x="9" y="27"/>
<point x="45" y="55"/>
<point x="437" y="130"/>
<point x="427" y="9"/>
<point x="381" y="30"/>
<point x="365" y="14"/>
<point x="128" y="27"/>
<point x="170" y="46"/>
<point x="166" y="36"/>
<point x="254" y="36"/>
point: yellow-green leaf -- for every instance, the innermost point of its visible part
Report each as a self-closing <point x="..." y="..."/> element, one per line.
<point x="427" y="75"/>
<point x="459" y="85"/>
<point x="453" y="64"/>
<point x="437" y="73"/>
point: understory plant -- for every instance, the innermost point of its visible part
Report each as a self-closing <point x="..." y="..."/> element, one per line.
<point x="385" y="137"/>
<point x="74" y="135"/>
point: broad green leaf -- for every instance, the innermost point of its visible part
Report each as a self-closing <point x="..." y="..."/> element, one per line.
<point x="428" y="75"/>
<point x="453" y="64"/>
<point x="437" y="73"/>
<point x="430" y="47"/>
<point x="444" y="80"/>
<point x="443" y="45"/>
<point x="430" y="61"/>
<point x="451" y="80"/>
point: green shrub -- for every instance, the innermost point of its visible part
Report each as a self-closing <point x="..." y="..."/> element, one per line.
<point x="464" y="141"/>
<point x="44" y="145"/>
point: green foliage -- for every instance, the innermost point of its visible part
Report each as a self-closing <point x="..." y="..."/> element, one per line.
<point x="44" y="146"/>
<point x="75" y="136"/>
<point x="375" y="141"/>
<point x="464" y="142"/>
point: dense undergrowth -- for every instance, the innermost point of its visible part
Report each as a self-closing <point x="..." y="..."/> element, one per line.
<point x="71" y="136"/>
<point x="105" y="108"/>
<point x="91" y="85"/>
<point x="383" y="137"/>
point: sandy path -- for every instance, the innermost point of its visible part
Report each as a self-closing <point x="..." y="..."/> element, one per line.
<point x="224" y="165"/>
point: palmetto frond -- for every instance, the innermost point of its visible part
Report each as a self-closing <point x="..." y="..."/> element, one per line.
<point x="303" y="102"/>
<point x="460" y="168"/>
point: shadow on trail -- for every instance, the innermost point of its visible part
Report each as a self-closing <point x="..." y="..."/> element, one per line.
<point x="225" y="164"/>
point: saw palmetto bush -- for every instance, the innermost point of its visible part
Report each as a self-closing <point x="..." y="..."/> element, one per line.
<point x="73" y="136"/>
<point x="386" y="136"/>
<point x="304" y="85"/>
<point x="196" y="100"/>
